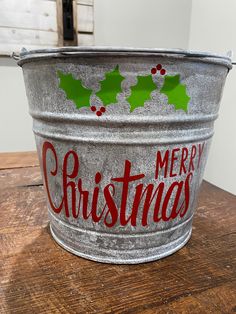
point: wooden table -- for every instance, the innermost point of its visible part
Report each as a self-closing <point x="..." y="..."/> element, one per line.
<point x="37" y="276"/>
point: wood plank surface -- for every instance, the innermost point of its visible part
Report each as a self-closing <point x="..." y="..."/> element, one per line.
<point x="14" y="39"/>
<point x="37" y="276"/>
<point x="30" y="24"/>
<point x="37" y="24"/>
<point x="85" y="2"/>
<point x="40" y="7"/>
<point x="29" y="17"/>
<point x="27" y="37"/>
<point x="85" y="39"/>
<point x="28" y="21"/>
<point x="8" y="49"/>
<point x="18" y="160"/>
<point x="85" y="18"/>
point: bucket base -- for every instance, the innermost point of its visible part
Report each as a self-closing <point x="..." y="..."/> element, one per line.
<point x="140" y="256"/>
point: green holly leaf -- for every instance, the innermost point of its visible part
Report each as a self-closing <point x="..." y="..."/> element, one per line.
<point x="141" y="91"/>
<point x="74" y="90"/>
<point x="176" y="92"/>
<point x="110" y="87"/>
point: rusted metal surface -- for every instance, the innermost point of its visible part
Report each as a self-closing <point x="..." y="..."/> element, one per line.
<point x="122" y="187"/>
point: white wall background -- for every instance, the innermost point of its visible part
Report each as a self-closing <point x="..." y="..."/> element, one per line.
<point x="15" y="122"/>
<point x="213" y="26"/>
<point x="194" y="24"/>
<point x="142" y="23"/>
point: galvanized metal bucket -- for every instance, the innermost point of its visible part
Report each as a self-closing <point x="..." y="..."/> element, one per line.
<point x="122" y="137"/>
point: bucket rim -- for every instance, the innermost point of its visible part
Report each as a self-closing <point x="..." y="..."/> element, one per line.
<point x="84" y="51"/>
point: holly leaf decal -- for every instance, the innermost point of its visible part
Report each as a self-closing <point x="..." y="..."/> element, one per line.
<point x="176" y="92"/>
<point x="141" y="92"/>
<point x="74" y="90"/>
<point x="110" y="87"/>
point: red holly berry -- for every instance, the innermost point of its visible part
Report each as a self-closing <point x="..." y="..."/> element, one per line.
<point x="163" y="72"/>
<point x="102" y="109"/>
<point x="98" y="113"/>
<point x="153" y="70"/>
<point x="93" y="108"/>
<point x="159" y="67"/>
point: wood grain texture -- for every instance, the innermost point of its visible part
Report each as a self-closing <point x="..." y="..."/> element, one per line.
<point x="85" y="18"/>
<point x="37" y="24"/>
<point x="22" y="37"/>
<point x="85" y="2"/>
<point x="37" y="276"/>
<point x="39" y="7"/>
<point x="28" y="17"/>
<point x="18" y="160"/>
<point x="60" y="39"/>
<point x="85" y="39"/>
<point x="30" y="24"/>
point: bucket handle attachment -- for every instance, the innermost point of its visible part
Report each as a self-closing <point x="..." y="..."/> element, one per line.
<point x="230" y="55"/>
<point x="15" y="56"/>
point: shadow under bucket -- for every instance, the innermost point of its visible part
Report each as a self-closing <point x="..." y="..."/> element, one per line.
<point x="122" y="137"/>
